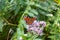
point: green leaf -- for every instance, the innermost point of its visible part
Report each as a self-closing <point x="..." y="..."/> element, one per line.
<point x="38" y="39"/>
<point x="34" y="11"/>
<point x="31" y="14"/>
<point x="1" y="25"/>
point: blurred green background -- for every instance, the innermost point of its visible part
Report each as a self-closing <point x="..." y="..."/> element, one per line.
<point x="13" y="26"/>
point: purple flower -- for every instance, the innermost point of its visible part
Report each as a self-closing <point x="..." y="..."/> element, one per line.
<point x="40" y="31"/>
<point x="36" y="23"/>
<point x="35" y="26"/>
<point x="43" y="23"/>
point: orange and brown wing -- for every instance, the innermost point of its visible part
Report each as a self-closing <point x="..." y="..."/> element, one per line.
<point x="29" y="20"/>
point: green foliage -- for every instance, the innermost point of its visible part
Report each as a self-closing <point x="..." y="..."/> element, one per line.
<point x="1" y="24"/>
<point x="12" y="14"/>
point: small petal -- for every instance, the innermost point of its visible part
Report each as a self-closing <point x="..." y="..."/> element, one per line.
<point x="35" y="23"/>
<point x="40" y="31"/>
<point x="43" y="23"/>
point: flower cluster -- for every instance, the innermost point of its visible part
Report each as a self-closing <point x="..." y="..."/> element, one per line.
<point x="37" y="27"/>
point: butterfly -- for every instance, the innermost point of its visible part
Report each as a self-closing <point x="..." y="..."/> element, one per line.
<point x="29" y="20"/>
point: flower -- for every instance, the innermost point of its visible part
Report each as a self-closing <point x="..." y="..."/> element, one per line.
<point x="35" y="27"/>
<point x="43" y="23"/>
<point x="36" y="23"/>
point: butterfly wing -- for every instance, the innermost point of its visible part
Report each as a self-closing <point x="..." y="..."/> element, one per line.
<point x="29" y="20"/>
